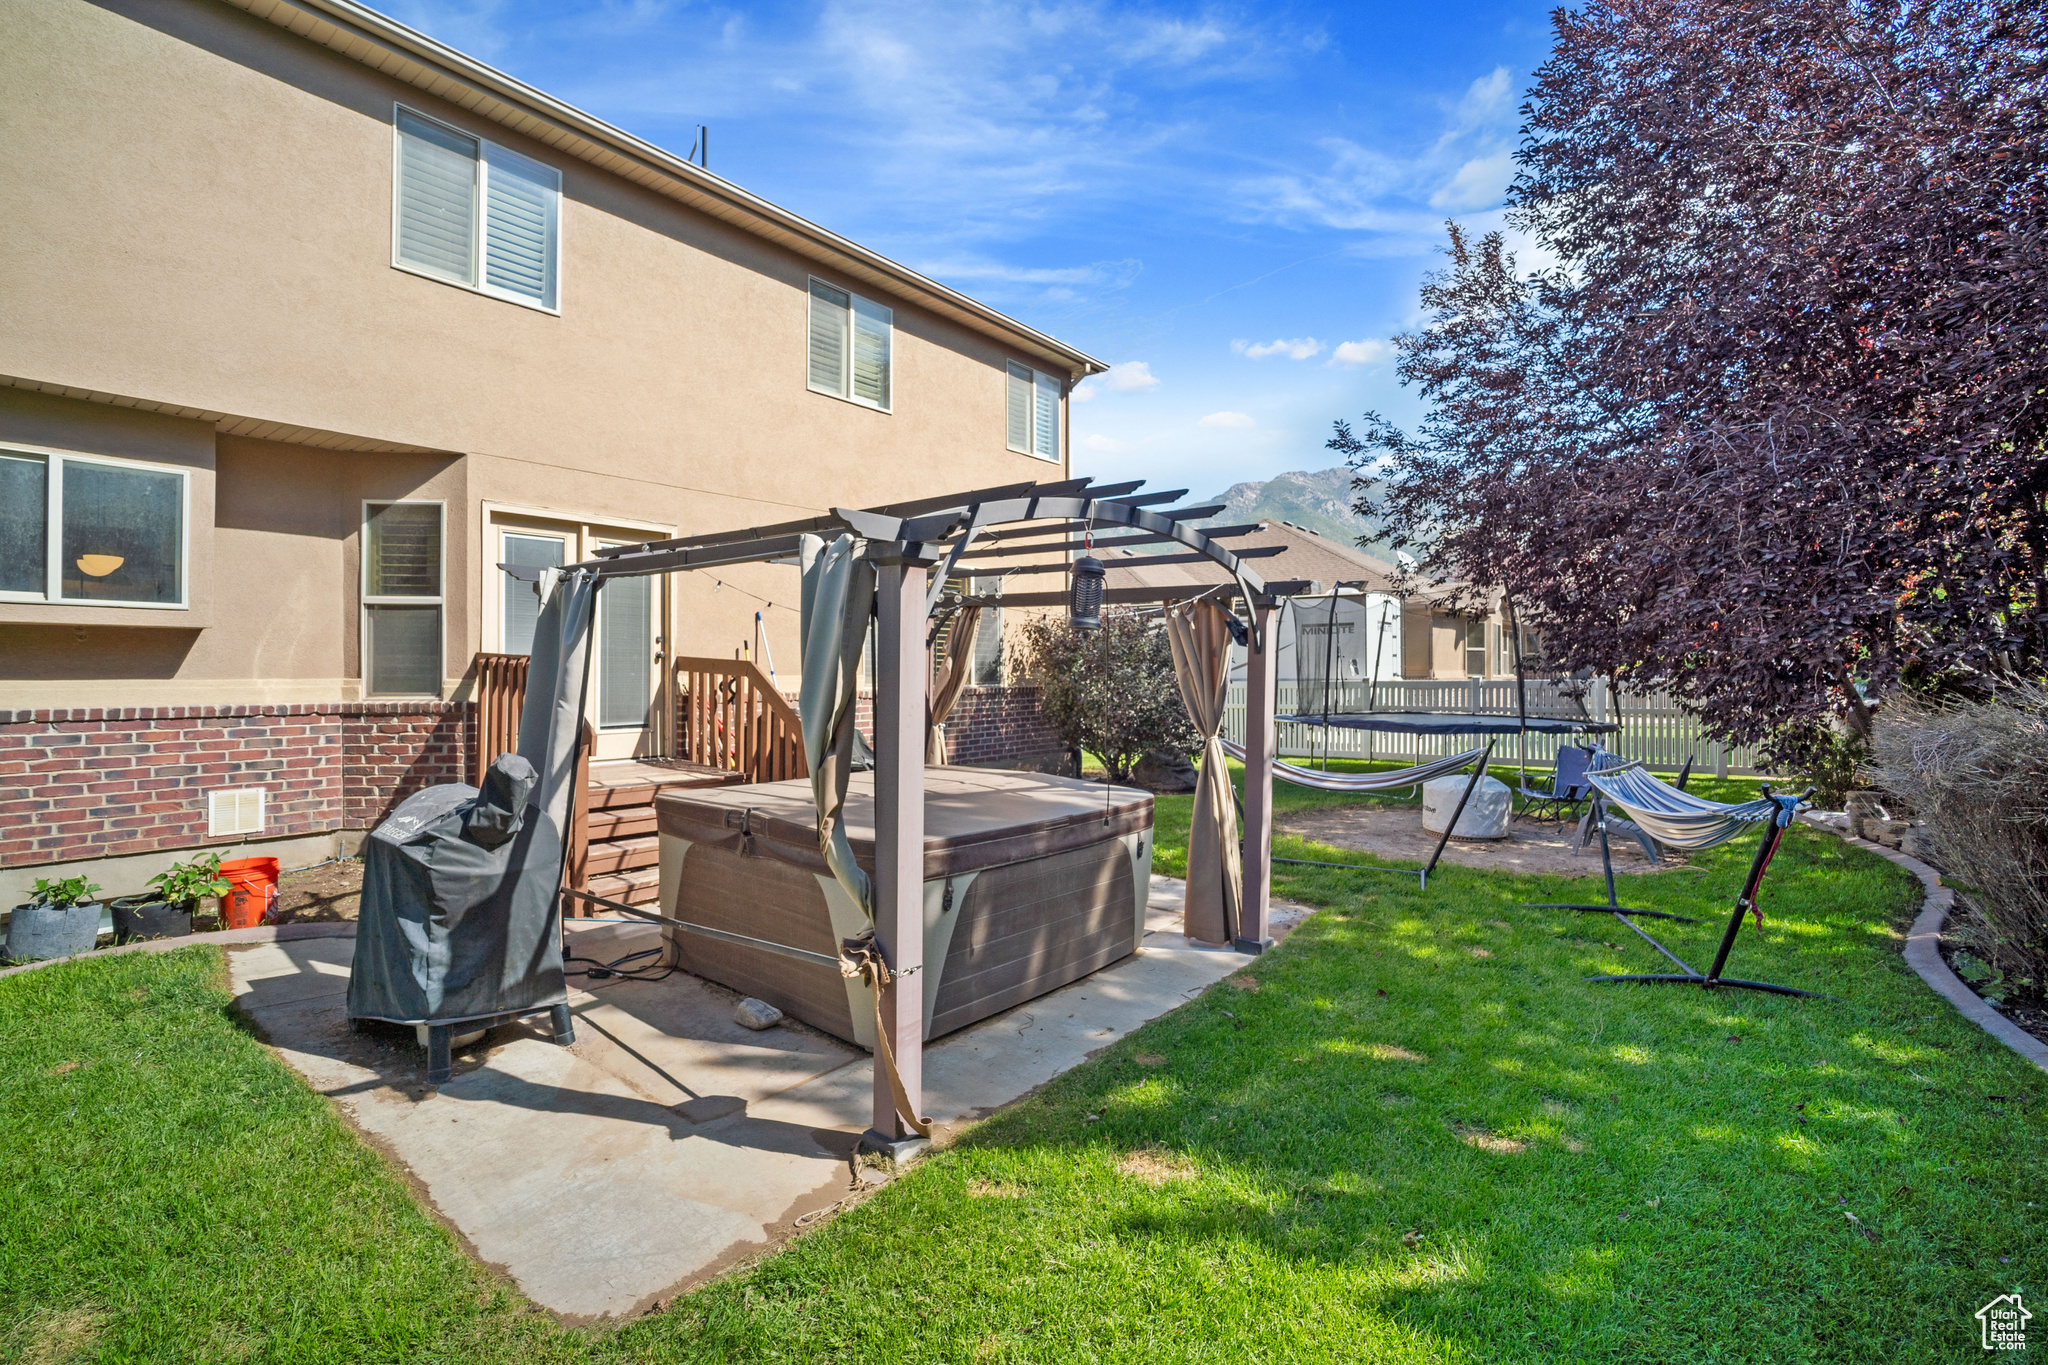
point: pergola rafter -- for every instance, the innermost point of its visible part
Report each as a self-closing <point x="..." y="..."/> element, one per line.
<point x="914" y="546"/>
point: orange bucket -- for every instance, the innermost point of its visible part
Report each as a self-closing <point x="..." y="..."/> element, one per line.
<point x="252" y="892"/>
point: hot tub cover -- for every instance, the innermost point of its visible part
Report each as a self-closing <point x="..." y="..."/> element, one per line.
<point x="461" y="908"/>
<point x="973" y="818"/>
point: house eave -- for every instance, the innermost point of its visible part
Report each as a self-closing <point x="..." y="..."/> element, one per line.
<point x="404" y="54"/>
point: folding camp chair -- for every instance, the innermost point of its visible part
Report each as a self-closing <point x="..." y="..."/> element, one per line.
<point x="1568" y="786"/>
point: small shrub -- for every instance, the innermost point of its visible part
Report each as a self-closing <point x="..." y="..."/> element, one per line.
<point x="1825" y="758"/>
<point x="1977" y="773"/>
<point x="1109" y="691"/>
<point x="188" y="881"/>
<point x="62" y="895"/>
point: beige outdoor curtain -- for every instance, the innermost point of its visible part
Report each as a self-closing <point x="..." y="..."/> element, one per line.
<point x="1200" y="634"/>
<point x="947" y="685"/>
<point x="838" y="596"/>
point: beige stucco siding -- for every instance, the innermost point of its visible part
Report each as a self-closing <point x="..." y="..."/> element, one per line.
<point x="207" y="224"/>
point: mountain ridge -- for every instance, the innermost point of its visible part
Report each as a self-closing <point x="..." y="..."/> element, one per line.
<point x="1317" y="500"/>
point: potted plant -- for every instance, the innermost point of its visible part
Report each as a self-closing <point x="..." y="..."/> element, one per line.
<point x="61" y="919"/>
<point x="167" y="912"/>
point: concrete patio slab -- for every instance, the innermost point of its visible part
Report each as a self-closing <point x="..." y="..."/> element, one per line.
<point x="668" y="1144"/>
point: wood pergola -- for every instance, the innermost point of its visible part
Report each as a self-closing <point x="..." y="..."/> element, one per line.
<point x="916" y="547"/>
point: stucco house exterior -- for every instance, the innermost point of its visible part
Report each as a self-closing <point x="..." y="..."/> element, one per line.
<point x="307" y="322"/>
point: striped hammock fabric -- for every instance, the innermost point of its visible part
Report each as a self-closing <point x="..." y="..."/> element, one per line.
<point x="1674" y="818"/>
<point x="1364" y="782"/>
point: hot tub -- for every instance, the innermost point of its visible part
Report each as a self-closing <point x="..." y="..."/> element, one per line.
<point x="1030" y="882"/>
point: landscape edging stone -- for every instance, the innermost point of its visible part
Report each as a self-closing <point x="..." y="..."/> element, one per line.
<point x="1923" y="955"/>
<point x="262" y="933"/>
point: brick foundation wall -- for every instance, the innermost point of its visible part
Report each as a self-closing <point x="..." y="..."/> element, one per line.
<point x="991" y="726"/>
<point x="92" y="783"/>
<point x="999" y="725"/>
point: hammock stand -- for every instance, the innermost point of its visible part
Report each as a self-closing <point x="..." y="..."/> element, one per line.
<point x="1413" y="776"/>
<point x="1685" y="821"/>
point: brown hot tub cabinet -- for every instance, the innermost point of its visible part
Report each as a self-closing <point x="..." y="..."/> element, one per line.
<point x="1026" y="887"/>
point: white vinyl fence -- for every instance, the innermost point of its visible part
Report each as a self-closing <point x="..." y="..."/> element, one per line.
<point x="1653" y="728"/>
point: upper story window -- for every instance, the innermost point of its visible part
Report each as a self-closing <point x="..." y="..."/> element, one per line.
<point x="75" y="528"/>
<point x="475" y="214"/>
<point x="402" y="572"/>
<point x="1034" y="412"/>
<point x="851" y="340"/>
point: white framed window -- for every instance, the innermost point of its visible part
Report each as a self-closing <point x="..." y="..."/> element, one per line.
<point x="472" y="213"/>
<point x="404" y="568"/>
<point x="851" y="341"/>
<point x="1475" y="647"/>
<point x="1033" y="412"/>
<point x="988" y="637"/>
<point x="92" y="531"/>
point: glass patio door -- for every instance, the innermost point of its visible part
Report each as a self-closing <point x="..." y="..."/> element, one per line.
<point x="626" y="672"/>
<point x="623" y="703"/>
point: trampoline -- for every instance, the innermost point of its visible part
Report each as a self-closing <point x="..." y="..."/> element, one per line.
<point x="1452" y="723"/>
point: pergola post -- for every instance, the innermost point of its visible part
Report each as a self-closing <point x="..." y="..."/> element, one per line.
<point x="899" y="843"/>
<point x="1261" y="743"/>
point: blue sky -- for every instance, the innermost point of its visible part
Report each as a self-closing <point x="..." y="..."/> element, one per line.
<point x="1233" y="205"/>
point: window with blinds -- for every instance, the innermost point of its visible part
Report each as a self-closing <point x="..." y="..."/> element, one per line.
<point x="402" y="602"/>
<point x="475" y="214"/>
<point x="1033" y="412"/>
<point x="625" y="649"/>
<point x="851" y="339"/>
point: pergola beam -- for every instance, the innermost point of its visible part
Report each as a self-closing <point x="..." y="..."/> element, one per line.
<point x="1135" y="562"/>
<point x="906" y="541"/>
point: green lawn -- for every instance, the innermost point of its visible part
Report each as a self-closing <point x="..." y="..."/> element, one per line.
<point x="1422" y="1137"/>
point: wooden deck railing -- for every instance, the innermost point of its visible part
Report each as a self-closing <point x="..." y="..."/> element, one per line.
<point x="500" y="690"/>
<point x="729" y="715"/>
<point x="576" y="857"/>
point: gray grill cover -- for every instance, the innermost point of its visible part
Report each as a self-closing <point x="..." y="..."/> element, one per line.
<point x="461" y="916"/>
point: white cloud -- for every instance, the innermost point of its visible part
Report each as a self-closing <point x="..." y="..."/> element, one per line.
<point x="1399" y="195"/>
<point x="1487" y="98"/>
<point x="1229" y="421"/>
<point x="1300" y="348"/>
<point x="1105" y="445"/>
<point x="1479" y="184"/>
<point x="1367" y="352"/>
<point x="1133" y="376"/>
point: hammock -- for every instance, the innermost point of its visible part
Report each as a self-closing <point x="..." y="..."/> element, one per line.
<point x="1670" y="816"/>
<point x="1363" y="782"/>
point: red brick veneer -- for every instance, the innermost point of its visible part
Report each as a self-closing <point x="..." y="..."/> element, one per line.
<point x="87" y="783"/>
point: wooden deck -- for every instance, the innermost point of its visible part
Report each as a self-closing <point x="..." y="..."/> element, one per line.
<point x="619" y="852"/>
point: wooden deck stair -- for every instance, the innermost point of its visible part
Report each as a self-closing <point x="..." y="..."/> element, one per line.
<point x="732" y="725"/>
<point x="621" y="853"/>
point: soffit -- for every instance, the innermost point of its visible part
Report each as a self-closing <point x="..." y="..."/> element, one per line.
<point x="385" y="45"/>
<point x="227" y="424"/>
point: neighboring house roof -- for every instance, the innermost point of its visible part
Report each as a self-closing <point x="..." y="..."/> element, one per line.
<point x="405" y="54"/>
<point x="1319" y="559"/>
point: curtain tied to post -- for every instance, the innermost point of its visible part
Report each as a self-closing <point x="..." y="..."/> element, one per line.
<point x="838" y="597"/>
<point x="1200" y="635"/>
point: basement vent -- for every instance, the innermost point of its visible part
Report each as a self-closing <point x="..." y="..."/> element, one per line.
<point x="234" y="810"/>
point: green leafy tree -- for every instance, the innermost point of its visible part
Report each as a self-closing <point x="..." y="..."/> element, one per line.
<point x="1109" y="691"/>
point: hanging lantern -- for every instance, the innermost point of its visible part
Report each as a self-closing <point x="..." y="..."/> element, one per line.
<point x="1084" y="609"/>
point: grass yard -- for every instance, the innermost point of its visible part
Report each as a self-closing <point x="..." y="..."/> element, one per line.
<point x="1412" y="1133"/>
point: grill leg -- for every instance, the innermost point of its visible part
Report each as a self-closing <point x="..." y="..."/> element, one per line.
<point x="438" y="1064"/>
<point x="565" y="1030"/>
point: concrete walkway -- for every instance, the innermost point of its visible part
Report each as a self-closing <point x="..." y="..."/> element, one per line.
<point x="668" y="1144"/>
